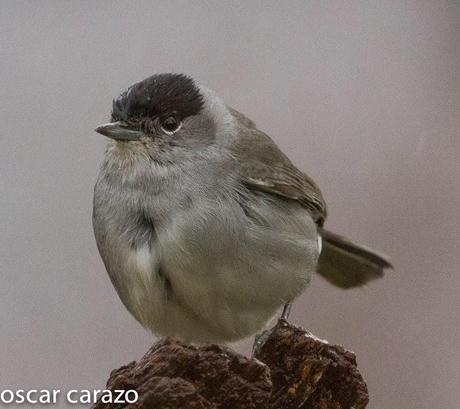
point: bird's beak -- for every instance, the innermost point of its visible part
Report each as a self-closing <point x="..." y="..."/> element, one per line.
<point x="119" y="131"/>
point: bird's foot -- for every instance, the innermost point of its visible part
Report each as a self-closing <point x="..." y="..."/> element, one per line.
<point x="261" y="338"/>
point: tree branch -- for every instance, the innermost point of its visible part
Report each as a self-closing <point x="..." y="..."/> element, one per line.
<point x="293" y="370"/>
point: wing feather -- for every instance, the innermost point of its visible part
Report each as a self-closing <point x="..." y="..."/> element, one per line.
<point x="264" y="167"/>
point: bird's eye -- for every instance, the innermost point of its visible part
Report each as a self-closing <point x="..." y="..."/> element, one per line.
<point x="170" y="124"/>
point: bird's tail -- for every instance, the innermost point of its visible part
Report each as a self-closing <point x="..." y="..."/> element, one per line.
<point x="346" y="264"/>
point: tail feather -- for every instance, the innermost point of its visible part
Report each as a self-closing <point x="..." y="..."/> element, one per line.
<point x="346" y="264"/>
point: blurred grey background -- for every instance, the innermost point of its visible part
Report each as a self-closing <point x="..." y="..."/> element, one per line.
<point x="362" y="95"/>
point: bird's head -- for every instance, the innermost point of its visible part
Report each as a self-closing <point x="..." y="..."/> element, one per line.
<point x="164" y="112"/>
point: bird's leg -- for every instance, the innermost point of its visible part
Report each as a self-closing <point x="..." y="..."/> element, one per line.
<point x="260" y="338"/>
<point x="286" y="311"/>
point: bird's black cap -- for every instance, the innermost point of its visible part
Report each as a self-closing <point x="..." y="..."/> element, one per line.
<point x="158" y="96"/>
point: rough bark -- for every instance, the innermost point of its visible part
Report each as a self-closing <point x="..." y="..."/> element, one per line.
<point x="292" y="370"/>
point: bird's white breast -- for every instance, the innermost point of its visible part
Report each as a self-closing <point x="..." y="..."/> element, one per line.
<point x="210" y="273"/>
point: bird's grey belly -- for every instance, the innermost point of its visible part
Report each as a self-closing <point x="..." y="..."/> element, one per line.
<point x="215" y="271"/>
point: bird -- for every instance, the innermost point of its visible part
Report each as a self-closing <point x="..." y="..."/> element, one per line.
<point x="205" y="227"/>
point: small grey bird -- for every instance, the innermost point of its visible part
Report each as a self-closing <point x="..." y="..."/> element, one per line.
<point x="205" y="227"/>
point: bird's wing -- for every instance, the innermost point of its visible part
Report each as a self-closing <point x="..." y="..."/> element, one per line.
<point x="265" y="168"/>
